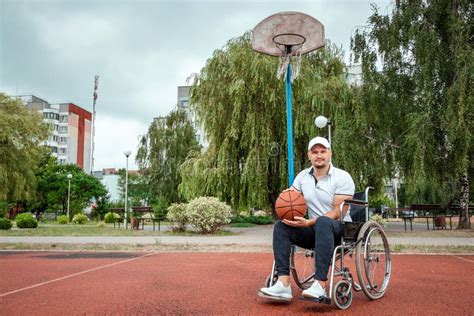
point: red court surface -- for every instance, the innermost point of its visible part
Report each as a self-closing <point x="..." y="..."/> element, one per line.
<point x="65" y="283"/>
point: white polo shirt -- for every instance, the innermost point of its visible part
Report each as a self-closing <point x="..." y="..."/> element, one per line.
<point x="319" y="195"/>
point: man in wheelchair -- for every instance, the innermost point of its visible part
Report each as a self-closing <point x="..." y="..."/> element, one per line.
<point x="325" y="188"/>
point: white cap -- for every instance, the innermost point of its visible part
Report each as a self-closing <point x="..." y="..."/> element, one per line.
<point x="319" y="140"/>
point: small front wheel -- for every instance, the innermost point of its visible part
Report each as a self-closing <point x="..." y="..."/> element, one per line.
<point x="342" y="295"/>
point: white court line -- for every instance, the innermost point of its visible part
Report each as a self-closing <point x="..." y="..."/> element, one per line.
<point x="463" y="259"/>
<point x="73" y="275"/>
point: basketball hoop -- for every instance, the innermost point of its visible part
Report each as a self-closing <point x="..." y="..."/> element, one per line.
<point x="286" y="35"/>
<point x="290" y="45"/>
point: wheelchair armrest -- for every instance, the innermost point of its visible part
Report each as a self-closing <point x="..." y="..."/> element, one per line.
<point x="356" y="202"/>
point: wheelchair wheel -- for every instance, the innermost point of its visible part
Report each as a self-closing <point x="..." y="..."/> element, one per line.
<point x="373" y="262"/>
<point x="302" y="266"/>
<point x="342" y="295"/>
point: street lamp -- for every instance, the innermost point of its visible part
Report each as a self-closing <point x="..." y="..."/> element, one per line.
<point x="321" y="122"/>
<point x="69" y="177"/>
<point x="127" y="154"/>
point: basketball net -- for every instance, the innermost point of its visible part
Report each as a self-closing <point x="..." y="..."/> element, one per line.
<point x="284" y="62"/>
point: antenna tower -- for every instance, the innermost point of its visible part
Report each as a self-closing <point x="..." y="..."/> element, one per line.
<point x="96" y="85"/>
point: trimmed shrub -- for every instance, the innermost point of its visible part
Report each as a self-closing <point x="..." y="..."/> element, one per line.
<point x="26" y="220"/>
<point x="62" y="219"/>
<point x="178" y="217"/>
<point x="111" y="217"/>
<point x="207" y="214"/>
<point x="80" y="219"/>
<point x="5" y="224"/>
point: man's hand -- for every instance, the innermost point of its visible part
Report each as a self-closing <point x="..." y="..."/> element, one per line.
<point x="299" y="222"/>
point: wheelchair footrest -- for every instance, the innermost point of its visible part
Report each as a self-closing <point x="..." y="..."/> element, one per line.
<point x="322" y="299"/>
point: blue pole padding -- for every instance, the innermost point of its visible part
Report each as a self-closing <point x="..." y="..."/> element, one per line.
<point x="289" y="126"/>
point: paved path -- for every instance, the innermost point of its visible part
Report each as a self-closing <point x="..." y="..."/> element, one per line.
<point x="258" y="236"/>
<point x="212" y="240"/>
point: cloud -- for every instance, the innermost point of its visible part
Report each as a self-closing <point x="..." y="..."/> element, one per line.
<point x="113" y="137"/>
<point x="142" y="50"/>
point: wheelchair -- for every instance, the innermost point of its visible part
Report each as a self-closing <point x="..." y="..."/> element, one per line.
<point x="363" y="239"/>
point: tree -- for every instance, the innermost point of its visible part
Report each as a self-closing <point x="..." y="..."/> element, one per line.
<point x="419" y="106"/>
<point x="137" y="188"/>
<point x="161" y="151"/>
<point x="22" y="133"/>
<point x="53" y="187"/>
<point x="242" y="105"/>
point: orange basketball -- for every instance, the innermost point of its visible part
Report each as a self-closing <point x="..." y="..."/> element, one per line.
<point x="290" y="203"/>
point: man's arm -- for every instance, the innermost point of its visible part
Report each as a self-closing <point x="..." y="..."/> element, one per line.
<point x="335" y="213"/>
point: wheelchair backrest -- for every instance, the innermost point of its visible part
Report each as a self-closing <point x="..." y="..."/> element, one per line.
<point x="358" y="212"/>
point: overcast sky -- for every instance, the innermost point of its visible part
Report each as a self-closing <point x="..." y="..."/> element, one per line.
<point x="141" y="50"/>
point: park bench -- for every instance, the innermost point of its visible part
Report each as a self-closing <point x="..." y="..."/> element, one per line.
<point x="120" y="212"/>
<point x="148" y="210"/>
<point x="394" y="212"/>
<point x="432" y="212"/>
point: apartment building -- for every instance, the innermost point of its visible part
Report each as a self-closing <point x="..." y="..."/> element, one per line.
<point x="70" y="130"/>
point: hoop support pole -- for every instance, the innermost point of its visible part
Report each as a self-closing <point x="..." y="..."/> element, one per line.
<point x="289" y="126"/>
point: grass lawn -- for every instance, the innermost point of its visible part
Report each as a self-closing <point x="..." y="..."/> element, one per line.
<point x="75" y="230"/>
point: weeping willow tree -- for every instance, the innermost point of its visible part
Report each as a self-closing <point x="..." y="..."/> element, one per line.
<point x="21" y="135"/>
<point x="242" y="106"/>
<point x="419" y="106"/>
<point x="161" y="151"/>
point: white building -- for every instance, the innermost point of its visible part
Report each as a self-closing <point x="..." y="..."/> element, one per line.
<point x="183" y="102"/>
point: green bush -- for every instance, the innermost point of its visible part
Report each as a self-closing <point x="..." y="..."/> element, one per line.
<point x="111" y="217"/>
<point x="62" y="219"/>
<point x="260" y="220"/>
<point x="242" y="224"/>
<point x="160" y="208"/>
<point x="3" y="209"/>
<point x="5" y="224"/>
<point x="207" y="214"/>
<point x="178" y="217"/>
<point x="80" y="219"/>
<point x="26" y="220"/>
<point x="257" y="220"/>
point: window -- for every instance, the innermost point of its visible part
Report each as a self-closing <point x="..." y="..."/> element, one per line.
<point x="63" y="140"/>
<point x="63" y="129"/>
<point x="62" y="151"/>
<point x="63" y="118"/>
<point x="54" y="149"/>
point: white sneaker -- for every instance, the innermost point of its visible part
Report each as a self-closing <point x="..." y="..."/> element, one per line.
<point x="278" y="290"/>
<point x="315" y="291"/>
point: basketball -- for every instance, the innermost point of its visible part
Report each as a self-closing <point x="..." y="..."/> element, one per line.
<point x="290" y="203"/>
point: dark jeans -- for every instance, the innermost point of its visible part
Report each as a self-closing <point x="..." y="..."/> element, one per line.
<point x="322" y="237"/>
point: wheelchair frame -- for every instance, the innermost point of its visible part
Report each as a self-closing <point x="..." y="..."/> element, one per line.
<point x="341" y="293"/>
